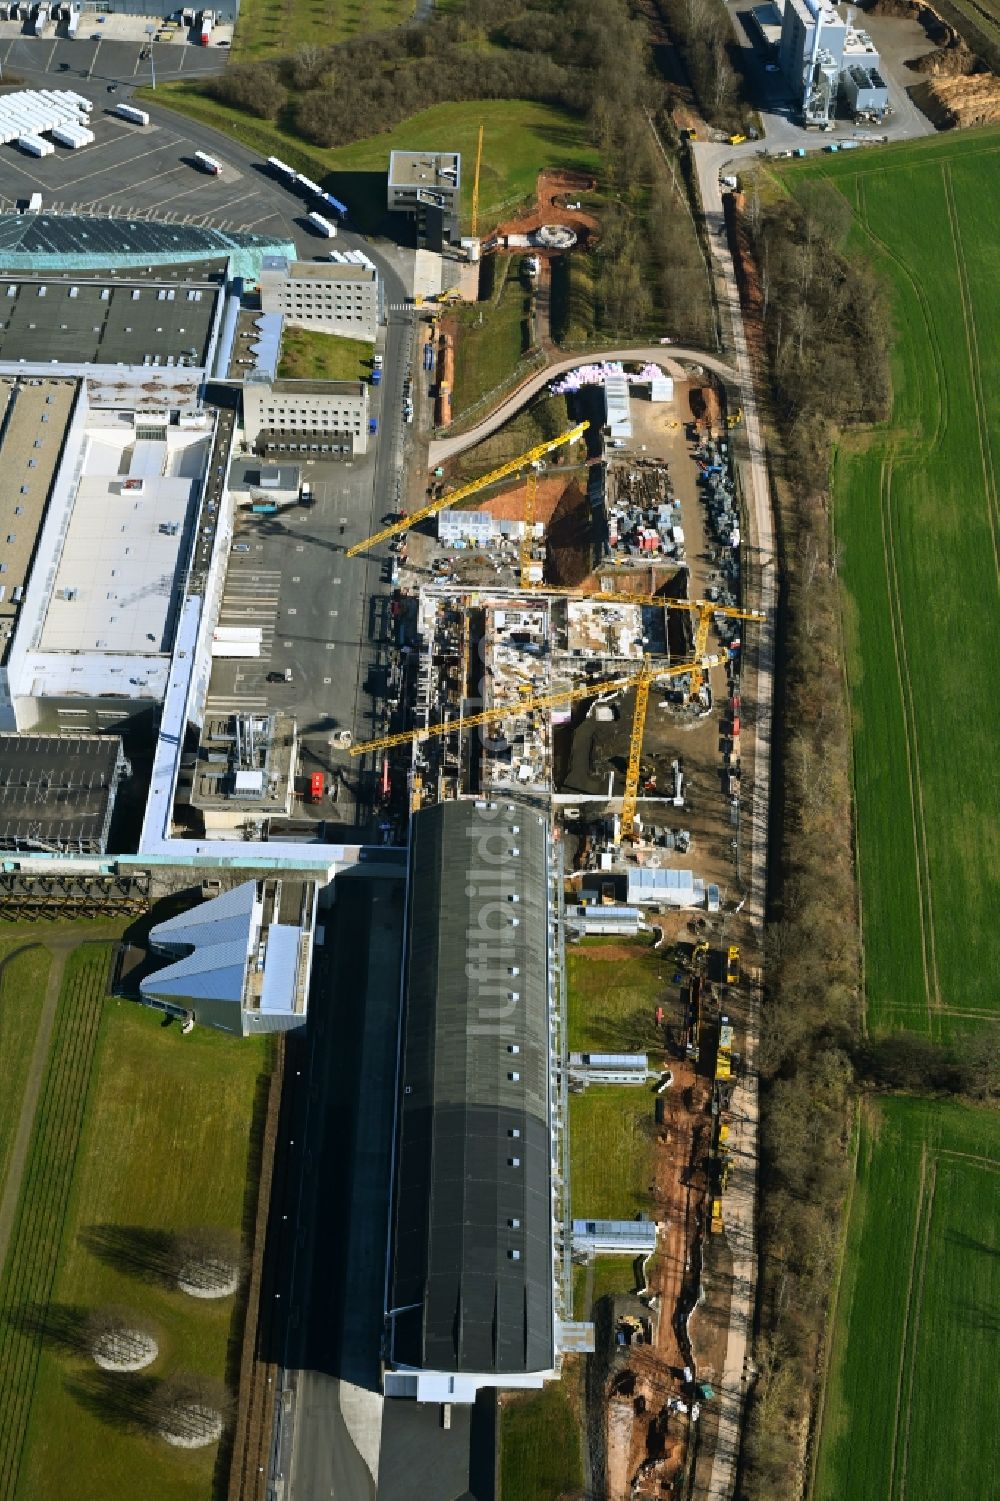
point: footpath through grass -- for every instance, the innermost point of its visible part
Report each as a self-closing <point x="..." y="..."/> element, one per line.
<point x="265" y="29"/>
<point x="918" y="519"/>
<point x="539" y="1447"/>
<point x="911" y="1395"/>
<point x="33" y="1252"/>
<point x="140" y="1133"/>
<point x="22" y="990"/>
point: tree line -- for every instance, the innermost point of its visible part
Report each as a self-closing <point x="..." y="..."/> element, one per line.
<point x="822" y="323"/>
<point x="702" y="32"/>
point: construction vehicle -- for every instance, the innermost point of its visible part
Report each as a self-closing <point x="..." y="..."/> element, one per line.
<point x="733" y="965"/>
<point x="462" y="493"/>
<point x="737" y="140"/>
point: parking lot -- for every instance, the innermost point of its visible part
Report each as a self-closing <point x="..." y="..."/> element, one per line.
<point x="103" y="59"/>
<point x="133" y="169"/>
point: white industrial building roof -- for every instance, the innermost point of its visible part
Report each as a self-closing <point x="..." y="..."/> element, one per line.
<point x="220" y="933"/>
<point x="117" y="580"/>
<point x="619" y="419"/>
<point x="280" y="966"/>
<point x="676" y="888"/>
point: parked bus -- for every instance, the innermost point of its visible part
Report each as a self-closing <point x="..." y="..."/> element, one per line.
<point x="208" y="163"/>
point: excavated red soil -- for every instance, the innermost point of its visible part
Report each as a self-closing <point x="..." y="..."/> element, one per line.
<point x="553" y="191"/>
<point x="568" y="544"/>
<point x="510" y="505"/>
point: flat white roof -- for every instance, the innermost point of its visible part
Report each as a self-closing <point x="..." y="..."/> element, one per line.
<point x="119" y="574"/>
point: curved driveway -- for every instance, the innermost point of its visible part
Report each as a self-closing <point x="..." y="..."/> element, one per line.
<point x="447" y="448"/>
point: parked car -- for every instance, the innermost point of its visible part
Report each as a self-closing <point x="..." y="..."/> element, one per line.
<point x="241" y="547"/>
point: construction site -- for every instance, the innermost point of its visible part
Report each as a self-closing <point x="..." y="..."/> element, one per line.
<point x="616" y="699"/>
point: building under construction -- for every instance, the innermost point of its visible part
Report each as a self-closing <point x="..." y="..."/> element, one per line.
<point x="545" y="654"/>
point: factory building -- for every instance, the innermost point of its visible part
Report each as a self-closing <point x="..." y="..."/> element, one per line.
<point x="283" y="415"/>
<point x="329" y="298"/>
<point x="472" y="1291"/>
<point x="100" y="512"/>
<point x="242" y="960"/>
<point x="824" y="57"/>
<point x="52" y="244"/>
<point x="57" y="792"/>
<point x="425" y="186"/>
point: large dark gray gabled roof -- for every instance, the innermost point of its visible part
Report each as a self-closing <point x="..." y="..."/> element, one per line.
<point x="473" y="1219"/>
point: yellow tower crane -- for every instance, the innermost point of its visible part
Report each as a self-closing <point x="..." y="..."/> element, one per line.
<point x="528" y="534"/>
<point x="475" y="185"/>
<point x="464" y="491"/>
<point x="525" y="705"/>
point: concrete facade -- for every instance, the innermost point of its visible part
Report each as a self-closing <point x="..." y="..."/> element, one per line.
<point x="319" y="408"/>
<point x="332" y="299"/>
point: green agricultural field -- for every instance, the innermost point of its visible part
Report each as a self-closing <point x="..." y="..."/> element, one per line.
<point x="612" y="991"/>
<point x="139" y="1133"/>
<point x="910" y="1404"/>
<point x="918" y="522"/>
<point x="611" y="1151"/>
<point x="539" y="1447"/>
<point x="269" y="29"/>
<point x="308" y="355"/>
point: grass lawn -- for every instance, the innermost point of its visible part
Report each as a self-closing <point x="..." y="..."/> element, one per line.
<point x="912" y="1377"/>
<point x="492" y="338"/>
<point x="611" y="999"/>
<point x="611" y="1149"/>
<point x="612" y="1274"/>
<point x="308" y="355"/>
<point x="143" y="1132"/>
<point x="520" y="138"/>
<point x="265" y="29"/>
<point x="539" y="1446"/>
<point x="918" y="520"/>
<point x="22" y="989"/>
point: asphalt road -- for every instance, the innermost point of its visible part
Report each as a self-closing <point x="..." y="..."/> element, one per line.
<point x="447" y="448"/>
<point x="760" y="563"/>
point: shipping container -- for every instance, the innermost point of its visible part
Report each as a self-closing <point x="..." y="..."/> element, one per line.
<point x="35" y="146"/>
<point x="130" y="113"/>
<point x="73" y="136"/>
<point x="321" y="226"/>
<point x="248" y="649"/>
